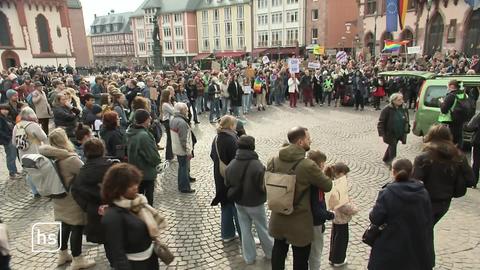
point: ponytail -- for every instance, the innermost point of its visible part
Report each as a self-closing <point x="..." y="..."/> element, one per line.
<point x="402" y="170"/>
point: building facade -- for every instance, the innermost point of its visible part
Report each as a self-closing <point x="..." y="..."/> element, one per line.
<point x="279" y="24"/>
<point x="142" y="29"/>
<point x="112" y="40"/>
<point x="79" y="37"/>
<point x="35" y="33"/>
<point x="446" y="24"/>
<point x="224" y="28"/>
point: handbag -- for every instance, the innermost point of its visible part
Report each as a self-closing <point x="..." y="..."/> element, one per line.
<point x="372" y="233"/>
<point x="162" y="252"/>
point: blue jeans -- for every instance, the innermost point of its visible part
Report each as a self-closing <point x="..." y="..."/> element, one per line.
<point x="236" y="111"/>
<point x="245" y="217"/>
<point x="32" y="187"/>
<point x="183" y="173"/>
<point x="246" y="102"/>
<point x="228" y="215"/>
<point x="199" y="104"/>
<point x="225" y="105"/>
<point x="11" y="153"/>
<point x="214" y="109"/>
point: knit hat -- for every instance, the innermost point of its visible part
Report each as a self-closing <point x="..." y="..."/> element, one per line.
<point x="246" y="142"/>
<point x="10" y="93"/>
<point x="141" y="116"/>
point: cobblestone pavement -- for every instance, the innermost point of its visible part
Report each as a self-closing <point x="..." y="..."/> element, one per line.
<point x="194" y="226"/>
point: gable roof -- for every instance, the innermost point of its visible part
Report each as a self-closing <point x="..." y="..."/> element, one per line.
<point x="208" y="4"/>
<point x="115" y="18"/>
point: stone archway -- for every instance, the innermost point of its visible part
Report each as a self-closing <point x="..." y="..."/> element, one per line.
<point x="406" y="35"/>
<point x="10" y="59"/>
<point x="435" y="38"/>
<point x="369" y="42"/>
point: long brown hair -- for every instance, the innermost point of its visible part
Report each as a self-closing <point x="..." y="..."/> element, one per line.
<point x="439" y="143"/>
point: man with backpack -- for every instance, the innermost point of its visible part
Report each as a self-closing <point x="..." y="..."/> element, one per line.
<point x="456" y="109"/>
<point x="291" y="221"/>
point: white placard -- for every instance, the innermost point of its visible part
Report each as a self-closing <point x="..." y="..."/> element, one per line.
<point x="265" y="60"/>
<point x="314" y="65"/>
<point x="414" y="50"/>
<point x="342" y="57"/>
<point x="294" y="65"/>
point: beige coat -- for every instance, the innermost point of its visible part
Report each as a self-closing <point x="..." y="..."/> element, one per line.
<point x="42" y="108"/>
<point x="35" y="136"/>
<point x="66" y="209"/>
<point x="297" y="228"/>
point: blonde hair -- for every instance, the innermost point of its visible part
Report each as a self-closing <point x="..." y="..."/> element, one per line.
<point x="227" y="122"/>
<point x="58" y="138"/>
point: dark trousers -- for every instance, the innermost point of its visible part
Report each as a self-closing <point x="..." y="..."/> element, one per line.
<point x="359" y="100"/>
<point x="391" y="152"/>
<point x="338" y="243"/>
<point x="439" y="209"/>
<point x="194" y="109"/>
<point x="308" y="96"/>
<point x="146" y="188"/>
<point x="279" y="254"/>
<point x="44" y="123"/>
<point x="168" y="147"/>
<point x="319" y="98"/>
<point x="457" y="132"/>
<point x="5" y="262"/>
<point x="74" y="233"/>
<point x="293" y="99"/>
<point x="376" y="102"/>
<point x="476" y="162"/>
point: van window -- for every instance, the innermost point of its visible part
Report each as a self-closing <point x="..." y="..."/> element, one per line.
<point x="433" y="94"/>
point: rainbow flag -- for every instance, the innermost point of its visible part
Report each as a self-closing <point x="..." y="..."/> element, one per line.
<point x="392" y="46"/>
<point x="402" y="12"/>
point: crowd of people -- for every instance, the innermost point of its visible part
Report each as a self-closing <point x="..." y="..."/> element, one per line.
<point x="105" y="144"/>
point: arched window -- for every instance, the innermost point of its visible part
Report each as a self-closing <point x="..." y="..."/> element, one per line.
<point x="385" y="36"/>
<point x="406" y="35"/>
<point x="435" y="35"/>
<point x="5" y="35"/>
<point x="370" y="43"/>
<point x="43" y="31"/>
<point x="472" y="35"/>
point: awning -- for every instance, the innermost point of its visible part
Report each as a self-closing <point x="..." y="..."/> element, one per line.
<point x="258" y="51"/>
<point x="202" y="56"/>
<point x="229" y="54"/>
<point x="282" y="51"/>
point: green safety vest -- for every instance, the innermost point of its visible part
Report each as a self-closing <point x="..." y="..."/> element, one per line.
<point x="444" y="118"/>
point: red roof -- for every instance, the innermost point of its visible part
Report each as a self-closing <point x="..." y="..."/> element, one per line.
<point x="201" y="56"/>
<point x="229" y="54"/>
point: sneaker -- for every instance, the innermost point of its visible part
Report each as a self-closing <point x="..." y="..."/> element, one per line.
<point x="190" y="191"/>
<point x="227" y="240"/>
<point x="16" y="176"/>
<point x="339" y="264"/>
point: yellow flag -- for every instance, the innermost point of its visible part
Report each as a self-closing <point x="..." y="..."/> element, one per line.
<point x="318" y="50"/>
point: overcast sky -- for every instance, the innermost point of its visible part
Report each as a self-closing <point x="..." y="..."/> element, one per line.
<point x="102" y="7"/>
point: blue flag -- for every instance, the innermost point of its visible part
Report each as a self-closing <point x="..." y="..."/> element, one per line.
<point x="474" y="3"/>
<point x="392" y="15"/>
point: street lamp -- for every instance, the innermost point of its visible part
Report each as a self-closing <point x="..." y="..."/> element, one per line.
<point x="429" y="6"/>
<point x="375" y="37"/>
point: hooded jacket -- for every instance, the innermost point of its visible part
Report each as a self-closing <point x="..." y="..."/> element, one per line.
<point x="297" y="228"/>
<point x="252" y="186"/>
<point x="438" y="168"/>
<point x="407" y="240"/>
<point x="142" y="151"/>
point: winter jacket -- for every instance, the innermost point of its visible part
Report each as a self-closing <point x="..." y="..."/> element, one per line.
<point x="359" y="85"/>
<point x="35" y="136"/>
<point x="297" y="228"/>
<point x="64" y="117"/>
<point x="122" y="115"/>
<point x="387" y="124"/>
<point x="89" y="116"/>
<point x="439" y="167"/>
<point x="293" y="85"/>
<point x="319" y="207"/>
<point x="66" y="209"/>
<point x="474" y="126"/>
<point x="42" y="107"/>
<point x="407" y="240"/>
<point x="192" y="92"/>
<point x="181" y="134"/>
<point x="142" y="151"/>
<point x="6" y="130"/>
<point x="97" y="91"/>
<point x="252" y="186"/>
<point x="227" y="148"/>
<point x="113" y="139"/>
<point x="235" y="92"/>
<point x="86" y="192"/>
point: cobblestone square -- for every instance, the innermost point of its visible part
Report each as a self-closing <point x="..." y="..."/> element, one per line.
<point x="193" y="231"/>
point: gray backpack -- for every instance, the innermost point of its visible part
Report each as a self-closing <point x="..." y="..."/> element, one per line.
<point x="45" y="175"/>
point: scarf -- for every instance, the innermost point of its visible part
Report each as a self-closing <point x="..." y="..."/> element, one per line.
<point x="140" y="207"/>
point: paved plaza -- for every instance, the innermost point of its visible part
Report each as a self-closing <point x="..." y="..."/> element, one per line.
<point x="193" y="231"/>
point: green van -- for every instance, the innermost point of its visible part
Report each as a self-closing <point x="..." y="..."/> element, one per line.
<point x="432" y="89"/>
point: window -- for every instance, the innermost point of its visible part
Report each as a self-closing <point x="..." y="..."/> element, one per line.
<point x="262" y="19"/>
<point x="262" y="4"/>
<point x="150" y="46"/>
<point x="205" y="44"/>
<point x="240" y="12"/>
<point x="228" y="43"/>
<point x="412" y="4"/>
<point x="292" y="16"/>
<point x="371" y="7"/>
<point x="43" y="31"/>
<point x="149" y="33"/>
<point x="241" y="42"/>
<point x="314" y="33"/>
<point x="168" y="45"/>
<point x="140" y="34"/>
<point x="228" y="28"/>
<point x="240" y="28"/>
<point x="216" y="30"/>
<point x="179" y="45"/>
<point x="205" y="16"/>
<point x="292" y="36"/>
<point x="277" y="18"/>
<point x="315" y="14"/>
<point x="178" y="18"/>
<point x="116" y="27"/>
<point x="290" y="2"/>
<point x="433" y="94"/>
<point x="178" y="31"/>
<point x="216" y="15"/>
<point x="141" y="46"/>
<point x="277" y="38"/>
<point x="228" y="14"/>
<point x="59" y="32"/>
<point x="166" y="19"/>
<point x="217" y="43"/>
<point x="205" y="30"/>
<point x="139" y="22"/>
<point x="276" y="3"/>
<point x="262" y="39"/>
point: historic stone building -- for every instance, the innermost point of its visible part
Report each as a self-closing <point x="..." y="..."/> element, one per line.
<point x="35" y="32"/>
<point x="79" y="37"/>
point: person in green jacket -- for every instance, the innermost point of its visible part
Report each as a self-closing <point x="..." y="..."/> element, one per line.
<point x="143" y="153"/>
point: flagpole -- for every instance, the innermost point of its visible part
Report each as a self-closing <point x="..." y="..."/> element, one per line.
<point x="406" y="53"/>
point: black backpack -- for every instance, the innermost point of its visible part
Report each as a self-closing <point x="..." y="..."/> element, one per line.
<point x="463" y="109"/>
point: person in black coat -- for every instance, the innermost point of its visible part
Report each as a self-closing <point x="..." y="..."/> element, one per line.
<point x="439" y="167"/>
<point x="224" y="148"/>
<point x="359" y="87"/>
<point x="113" y="136"/>
<point x="236" y="93"/>
<point x="125" y="232"/>
<point x="474" y="126"/>
<point x="404" y="208"/>
<point x="192" y="93"/>
<point x="318" y="87"/>
<point x="393" y="126"/>
<point x="86" y="187"/>
<point x="446" y="116"/>
<point x="65" y="115"/>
